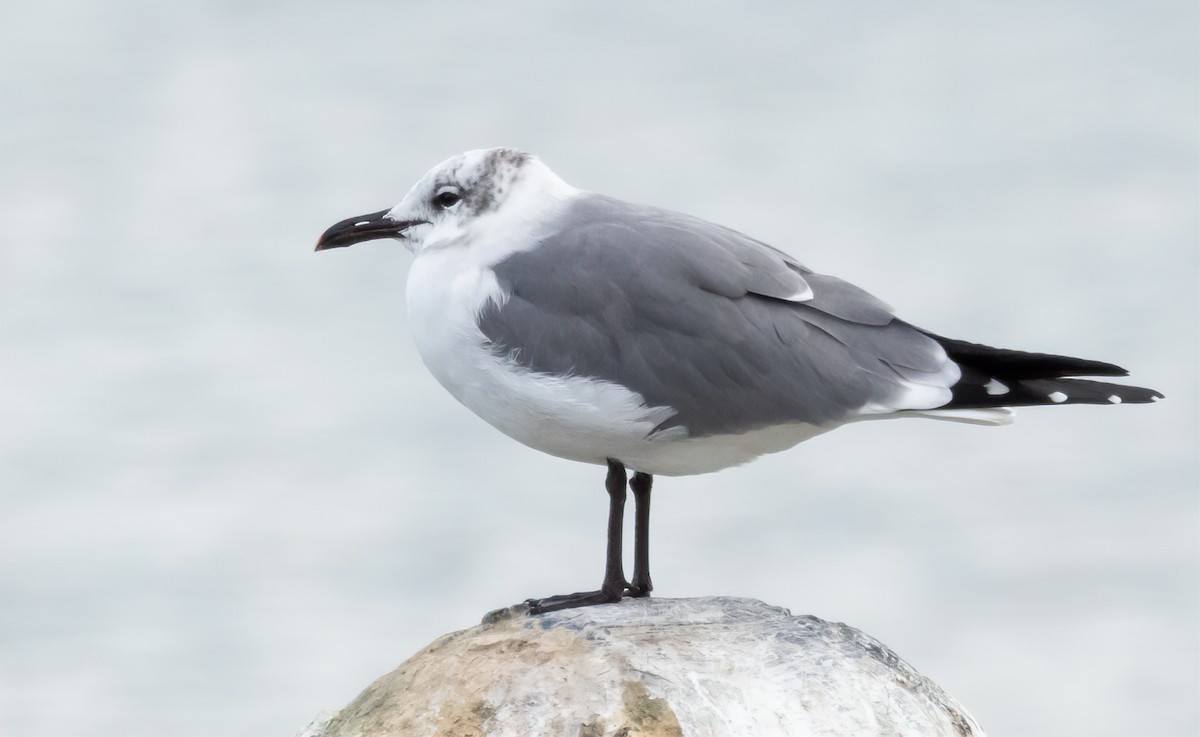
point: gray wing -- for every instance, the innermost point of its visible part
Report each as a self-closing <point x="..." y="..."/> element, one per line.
<point x="732" y="334"/>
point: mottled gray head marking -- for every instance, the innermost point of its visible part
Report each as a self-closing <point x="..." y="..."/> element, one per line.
<point x="479" y="179"/>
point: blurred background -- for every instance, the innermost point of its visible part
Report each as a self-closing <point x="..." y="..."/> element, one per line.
<point x="232" y="496"/>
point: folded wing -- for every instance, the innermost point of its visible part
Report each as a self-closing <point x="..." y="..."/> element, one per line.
<point x="732" y="334"/>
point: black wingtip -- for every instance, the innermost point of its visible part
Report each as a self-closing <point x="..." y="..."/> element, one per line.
<point x="1016" y="365"/>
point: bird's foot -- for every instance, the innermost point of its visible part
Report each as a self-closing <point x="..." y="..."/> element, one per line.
<point x="640" y="587"/>
<point x="605" y="595"/>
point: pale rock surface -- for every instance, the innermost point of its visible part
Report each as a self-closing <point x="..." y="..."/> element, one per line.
<point x="652" y="668"/>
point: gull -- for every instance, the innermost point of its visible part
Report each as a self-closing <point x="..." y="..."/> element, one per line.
<point x="646" y="340"/>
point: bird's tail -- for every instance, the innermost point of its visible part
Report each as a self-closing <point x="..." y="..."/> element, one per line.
<point x="996" y="377"/>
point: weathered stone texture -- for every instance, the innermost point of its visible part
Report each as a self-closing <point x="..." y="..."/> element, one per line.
<point x="652" y="668"/>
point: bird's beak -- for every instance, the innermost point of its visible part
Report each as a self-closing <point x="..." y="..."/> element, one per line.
<point x="363" y="228"/>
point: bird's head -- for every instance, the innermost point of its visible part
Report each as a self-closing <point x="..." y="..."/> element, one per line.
<point x="483" y="190"/>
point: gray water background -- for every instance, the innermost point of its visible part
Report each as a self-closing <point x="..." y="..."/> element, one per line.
<point x="231" y="495"/>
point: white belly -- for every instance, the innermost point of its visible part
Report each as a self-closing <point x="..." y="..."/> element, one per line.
<point x="577" y="418"/>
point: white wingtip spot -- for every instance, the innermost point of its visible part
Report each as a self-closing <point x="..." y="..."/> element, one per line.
<point x="1057" y="397"/>
<point x="362" y="223"/>
<point x="995" y="388"/>
<point x="1114" y="399"/>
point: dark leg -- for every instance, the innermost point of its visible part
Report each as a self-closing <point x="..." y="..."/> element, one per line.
<point x="614" y="585"/>
<point x="641" y="483"/>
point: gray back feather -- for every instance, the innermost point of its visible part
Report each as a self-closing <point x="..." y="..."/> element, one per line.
<point x="696" y="317"/>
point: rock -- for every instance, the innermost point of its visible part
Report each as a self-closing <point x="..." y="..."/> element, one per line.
<point x="652" y="668"/>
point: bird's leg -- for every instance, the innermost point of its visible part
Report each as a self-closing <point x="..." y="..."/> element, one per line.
<point x="614" y="584"/>
<point x="640" y="484"/>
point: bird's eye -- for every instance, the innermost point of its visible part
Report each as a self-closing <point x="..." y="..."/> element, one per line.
<point x="447" y="198"/>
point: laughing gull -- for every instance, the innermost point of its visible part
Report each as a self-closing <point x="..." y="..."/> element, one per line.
<point x="635" y="337"/>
